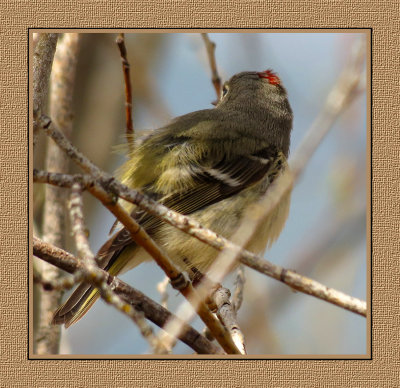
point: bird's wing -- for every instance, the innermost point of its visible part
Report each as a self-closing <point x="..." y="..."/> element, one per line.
<point x="213" y="184"/>
<point x="222" y="180"/>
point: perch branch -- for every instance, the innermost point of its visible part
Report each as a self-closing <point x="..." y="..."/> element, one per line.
<point x="187" y="225"/>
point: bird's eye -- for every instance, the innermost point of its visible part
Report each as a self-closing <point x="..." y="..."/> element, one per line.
<point x="224" y="91"/>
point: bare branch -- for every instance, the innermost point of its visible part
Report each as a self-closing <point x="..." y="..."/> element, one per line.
<point x="42" y="61"/>
<point x="128" y="90"/>
<point x="227" y="314"/>
<point x="78" y="227"/>
<point x="215" y="78"/>
<point x="64" y="283"/>
<point x="61" y="92"/>
<point x="187" y="225"/>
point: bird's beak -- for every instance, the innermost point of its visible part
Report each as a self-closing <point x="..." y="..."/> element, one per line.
<point x="214" y="102"/>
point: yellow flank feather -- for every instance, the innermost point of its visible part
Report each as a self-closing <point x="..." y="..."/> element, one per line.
<point x="174" y="179"/>
<point x="223" y="218"/>
<point x="167" y="172"/>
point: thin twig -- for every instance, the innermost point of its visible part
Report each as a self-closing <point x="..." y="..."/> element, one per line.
<point x="215" y="78"/>
<point x="64" y="283"/>
<point x="152" y="310"/>
<point x="78" y="227"/>
<point x="168" y="341"/>
<point x="128" y="90"/>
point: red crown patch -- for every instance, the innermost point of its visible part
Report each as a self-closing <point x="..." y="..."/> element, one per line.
<point x="272" y="78"/>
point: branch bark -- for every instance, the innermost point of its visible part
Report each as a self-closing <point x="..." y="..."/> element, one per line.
<point x="128" y="90"/>
<point x="42" y="62"/>
<point x="215" y="78"/>
<point x="54" y="212"/>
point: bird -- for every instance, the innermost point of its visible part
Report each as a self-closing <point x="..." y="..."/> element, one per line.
<point x="209" y="164"/>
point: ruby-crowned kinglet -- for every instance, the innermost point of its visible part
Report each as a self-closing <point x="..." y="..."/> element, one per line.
<point x="210" y="164"/>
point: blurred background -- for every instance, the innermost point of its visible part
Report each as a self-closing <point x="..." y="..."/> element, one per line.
<point x="325" y="235"/>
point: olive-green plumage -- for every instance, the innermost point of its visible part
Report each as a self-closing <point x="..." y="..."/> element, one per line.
<point x="210" y="164"/>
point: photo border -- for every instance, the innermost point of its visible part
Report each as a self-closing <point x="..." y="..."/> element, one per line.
<point x="382" y="365"/>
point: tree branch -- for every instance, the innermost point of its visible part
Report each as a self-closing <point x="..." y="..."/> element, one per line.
<point x="215" y="78"/>
<point x="42" y="62"/>
<point x="193" y="228"/>
<point x="61" y="93"/>
<point x="128" y="90"/>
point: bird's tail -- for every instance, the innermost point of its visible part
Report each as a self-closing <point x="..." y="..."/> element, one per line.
<point x="83" y="298"/>
<point x="76" y="306"/>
